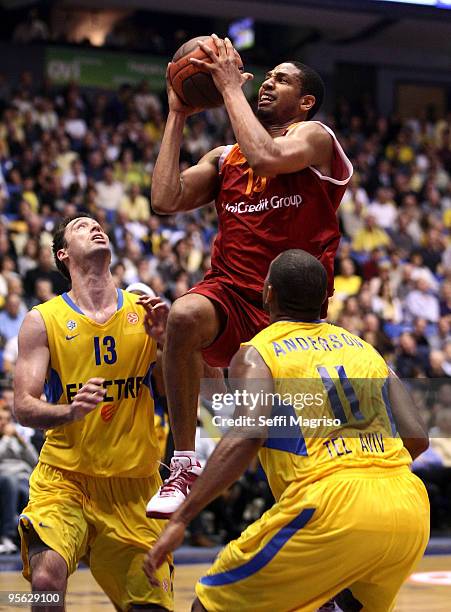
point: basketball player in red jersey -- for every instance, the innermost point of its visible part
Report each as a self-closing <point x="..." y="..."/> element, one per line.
<point x="278" y="188"/>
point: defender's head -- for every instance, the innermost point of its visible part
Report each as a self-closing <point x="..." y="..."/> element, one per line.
<point x="291" y="90"/>
<point x="75" y="240"/>
<point x="295" y="287"/>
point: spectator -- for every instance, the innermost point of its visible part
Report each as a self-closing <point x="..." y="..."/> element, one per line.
<point x="383" y="208"/>
<point x="408" y="363"/>
<point x="380" y="340"/>
<point x="10" y="355"/>
<point x="109" y="193"/>
<point x="17" y="460"/>
<point x="400" y="235"/>
<point x="45" y="269"/>
<point x="420" y="302"/>
<point x="370" y="237"/>
<point x="436" y="362"/>
<point x="12" y="316"/>
<point x="433" y="250"/>
<point x="135" y="205"/>
<point x="75" y="175"/>
<point x="420" y="333"/>
<point x="386" y="305"/>
<point x="75" y="126"/>
<point x="347" y="282"/>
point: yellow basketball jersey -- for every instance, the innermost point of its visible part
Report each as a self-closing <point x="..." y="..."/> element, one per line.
<point x="331" y="408"/>
<point x="118" y="437"/>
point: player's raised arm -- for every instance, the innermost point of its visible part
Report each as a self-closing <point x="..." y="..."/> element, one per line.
<point x="31" y="370"/>
<point x="407" y="417"/>
<point x="282" y="97"/>
<point x="173" y="191"/>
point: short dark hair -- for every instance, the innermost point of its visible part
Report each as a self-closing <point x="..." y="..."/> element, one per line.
<point x="311" y="84"/>
<point x="299" y="281"/>
<point x="59" y="242"/>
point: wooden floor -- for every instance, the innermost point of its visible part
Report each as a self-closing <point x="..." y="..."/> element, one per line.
<point x="85" y="595"/>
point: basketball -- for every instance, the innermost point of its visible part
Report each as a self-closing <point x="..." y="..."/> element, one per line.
<point x="193" y="85"/>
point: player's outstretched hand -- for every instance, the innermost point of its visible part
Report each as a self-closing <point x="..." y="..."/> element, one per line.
<point x="175" y="104"/>
<point x="156" y="316"/>
<point x="171" y="538"/>
<point x="224" y="65"/>
<point x="87" y="398"/>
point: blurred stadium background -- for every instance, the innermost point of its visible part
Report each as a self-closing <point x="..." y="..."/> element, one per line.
<point x="82" y="111"/>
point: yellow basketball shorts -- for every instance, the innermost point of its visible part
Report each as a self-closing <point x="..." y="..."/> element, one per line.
<point x="360" y="530"/>
<point x="102" y="521"/>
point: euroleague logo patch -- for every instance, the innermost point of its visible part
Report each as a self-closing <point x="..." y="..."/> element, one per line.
<point x="132" y="318"/>
<point x="107" y="412"/>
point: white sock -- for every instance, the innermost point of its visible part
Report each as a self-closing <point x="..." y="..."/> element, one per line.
<point x="189" y="453"/>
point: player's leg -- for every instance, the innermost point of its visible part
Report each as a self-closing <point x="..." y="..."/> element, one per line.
<point x="121" y="537"/>
<point x="215" y="322"/>
<point x="48" y="572"/>
<point x="194" y="322"/>
<point x="50" y="548"/>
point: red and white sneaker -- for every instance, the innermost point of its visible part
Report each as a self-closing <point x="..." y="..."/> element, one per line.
<point x="184" y="471"/>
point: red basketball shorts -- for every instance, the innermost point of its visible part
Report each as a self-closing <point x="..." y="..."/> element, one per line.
<point x="244" y="319"/>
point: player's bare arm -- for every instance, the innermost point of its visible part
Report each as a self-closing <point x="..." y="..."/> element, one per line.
<point x="268" y="154"/>
<point x="407" y="417"/>
<point x="226" y="464"/>
<point x="31" y="370"/>
<point x="173" y="191"/>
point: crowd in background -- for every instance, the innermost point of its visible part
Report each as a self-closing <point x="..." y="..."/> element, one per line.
<point x="64" y="152"/>
<point x="137" y="30"/>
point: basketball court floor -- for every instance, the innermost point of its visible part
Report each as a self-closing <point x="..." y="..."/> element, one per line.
<point x="427" y="590"/>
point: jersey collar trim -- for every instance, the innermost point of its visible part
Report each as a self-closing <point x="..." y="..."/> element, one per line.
<point x="120" y="299"/>
<point x="73" y="305"/>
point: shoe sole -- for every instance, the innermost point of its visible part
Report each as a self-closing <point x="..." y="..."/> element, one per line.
<point x="159" y="515"/>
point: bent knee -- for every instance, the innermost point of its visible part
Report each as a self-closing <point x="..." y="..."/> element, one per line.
<point x="193" y="317"/>
<point x="48" y="577"/>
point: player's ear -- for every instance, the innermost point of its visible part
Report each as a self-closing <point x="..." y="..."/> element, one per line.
<point x="306" y="103"/>
<point x="62" y="255"/>
<point x="268" y="297"/>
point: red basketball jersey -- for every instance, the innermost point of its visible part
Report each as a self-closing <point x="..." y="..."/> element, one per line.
<point x="259" y="217"/>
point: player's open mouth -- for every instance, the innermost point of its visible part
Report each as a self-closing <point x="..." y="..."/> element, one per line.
<point x="266" y="98"/>
<point x="98" y="237"/>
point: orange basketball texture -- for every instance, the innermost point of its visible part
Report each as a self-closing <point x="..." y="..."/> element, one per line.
<point x="193" y="84"/>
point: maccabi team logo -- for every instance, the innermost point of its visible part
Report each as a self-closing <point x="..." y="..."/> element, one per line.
<point x="107" y="412"/>
<point x="132" y="318"/>
<point x="71" y="325"/>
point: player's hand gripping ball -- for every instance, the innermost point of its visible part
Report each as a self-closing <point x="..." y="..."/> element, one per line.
<point x="193" y="84"/>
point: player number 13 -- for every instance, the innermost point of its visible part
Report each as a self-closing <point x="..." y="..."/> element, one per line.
<point x="109" y="355"/>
